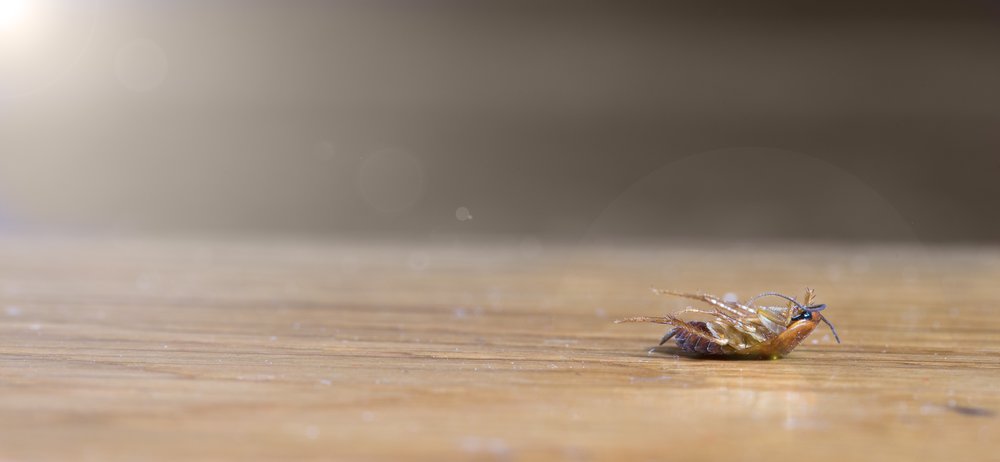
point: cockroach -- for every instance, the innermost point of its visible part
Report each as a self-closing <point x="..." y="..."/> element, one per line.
<point x="742" y="329"/>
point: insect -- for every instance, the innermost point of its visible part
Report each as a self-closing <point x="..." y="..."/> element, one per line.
<point x="742" y="329"/>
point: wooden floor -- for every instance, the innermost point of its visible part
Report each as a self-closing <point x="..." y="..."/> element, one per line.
<point x="168" y="350"/>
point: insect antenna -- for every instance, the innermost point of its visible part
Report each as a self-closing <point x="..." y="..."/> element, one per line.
<point x="768" y="294"/>
<point x="831" y="328"/>
<point x="811" y="309"/>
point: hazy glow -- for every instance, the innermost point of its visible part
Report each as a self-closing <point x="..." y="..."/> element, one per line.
<point x="141" y="65"/>
<point x="12" y="13"/>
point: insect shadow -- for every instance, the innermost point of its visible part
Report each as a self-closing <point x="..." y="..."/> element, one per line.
<point x="677" y="351"/>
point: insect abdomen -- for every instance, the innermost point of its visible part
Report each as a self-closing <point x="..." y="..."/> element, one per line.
<point x="694" y="343"/>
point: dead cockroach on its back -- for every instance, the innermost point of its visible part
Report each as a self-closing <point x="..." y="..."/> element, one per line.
<point x="742" y="329"/>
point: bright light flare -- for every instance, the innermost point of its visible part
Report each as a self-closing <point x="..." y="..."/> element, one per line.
<point x="12" y="13"/>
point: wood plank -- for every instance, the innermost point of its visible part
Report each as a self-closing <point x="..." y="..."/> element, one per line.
<point x="173" y="350"/>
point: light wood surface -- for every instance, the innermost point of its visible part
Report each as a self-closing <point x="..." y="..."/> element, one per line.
<point x="170" y="350"/>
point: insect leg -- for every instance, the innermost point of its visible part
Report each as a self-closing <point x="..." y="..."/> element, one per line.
<point x="736" y="321"/>
<point x="666" y="320"/>
<point x="734" y="308"/>
<point x="810" y="295"/>
<point x="672" y="319"/>
<point x="654" y="319"/>
<point x="725" y="316"/>
<point x="694" y="310"/>
<point x="668" y="335"/>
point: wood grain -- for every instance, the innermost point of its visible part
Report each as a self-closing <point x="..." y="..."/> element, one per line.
<point x="174" y="350"/>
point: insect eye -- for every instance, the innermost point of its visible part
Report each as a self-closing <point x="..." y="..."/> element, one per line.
<point x="802" y="315"/>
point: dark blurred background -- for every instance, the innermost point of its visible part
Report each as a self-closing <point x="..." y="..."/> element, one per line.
<point x="859" y="120"/>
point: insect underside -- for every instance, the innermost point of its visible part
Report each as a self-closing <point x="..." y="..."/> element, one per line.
<point x="741" y="329"/>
